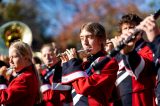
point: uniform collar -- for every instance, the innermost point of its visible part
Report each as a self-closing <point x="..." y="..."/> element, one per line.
<point x="95" y="56"/>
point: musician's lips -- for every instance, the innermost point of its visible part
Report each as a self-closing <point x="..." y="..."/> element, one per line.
<point x="50" y="62"/>
<point x="10" y="69"/>
<point x="89" y="49"/>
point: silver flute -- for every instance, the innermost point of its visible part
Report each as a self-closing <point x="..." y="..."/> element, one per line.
<point x="79" y="51"/>
<point x="9" y="70"/>
<point x="45" y="66"/>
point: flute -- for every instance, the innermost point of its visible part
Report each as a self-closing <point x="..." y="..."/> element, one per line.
<point x="9" y="70"/>
<point x="78" y="51"/>
<point x="45" y="66"/>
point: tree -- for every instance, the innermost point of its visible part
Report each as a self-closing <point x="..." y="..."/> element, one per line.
<point x="101" y="11"/>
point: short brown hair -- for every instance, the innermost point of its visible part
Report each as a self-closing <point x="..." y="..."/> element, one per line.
<point x="129" y="19"/>
<point x="96" y="29"/>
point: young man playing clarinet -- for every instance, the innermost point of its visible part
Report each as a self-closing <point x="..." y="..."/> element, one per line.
<point x="153" y="34"/>
<point x="136" y="78"/>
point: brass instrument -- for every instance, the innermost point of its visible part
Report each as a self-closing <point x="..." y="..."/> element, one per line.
<point x="11" y="31"/>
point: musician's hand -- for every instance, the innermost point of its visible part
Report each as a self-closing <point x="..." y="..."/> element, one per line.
<point x="64" y="58"/>
<point x="150" y="27"/>
<point x="130" y="46"/>
<point x="83" y="56"/>
<point x="38" y="67"/>
<point x="3" y="71"/>
<point x="68" y="55"/>
<point x="109" y="45"/>
<point x="116" y="41"/>
<point x="71" y="53"/>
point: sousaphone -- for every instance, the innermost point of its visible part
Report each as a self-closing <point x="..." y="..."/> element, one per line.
<point x="12" y="31"/>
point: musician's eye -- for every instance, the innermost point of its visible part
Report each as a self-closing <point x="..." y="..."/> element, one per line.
<point x="81" y="37"/>
<point x="124" y="28"/>
<point x="131" y="27"/>
<point x="90" y="36"/>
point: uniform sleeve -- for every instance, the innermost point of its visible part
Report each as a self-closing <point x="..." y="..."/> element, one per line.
<point x="107" y="77"/>
<point x="87" y="84"/>
<point x="71" y="71"/>
<point x="140" y="62"/>
<point x="15" y="91"/>
<point x="155" y="46"/>
<point x="52" y="93"/>
<point x="158" y="87"/>
<point x="45" y="88"/>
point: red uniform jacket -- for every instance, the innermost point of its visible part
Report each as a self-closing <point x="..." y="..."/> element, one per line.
<point x="136" y="77"/>
<point x="55" y="94"/>
<point x="93" y="90"/>
<point x="22" y="90"/>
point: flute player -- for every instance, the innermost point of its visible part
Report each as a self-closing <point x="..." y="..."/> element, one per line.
<point x="90" y="88"/>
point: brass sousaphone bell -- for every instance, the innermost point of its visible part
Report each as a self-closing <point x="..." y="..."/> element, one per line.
<point x="11" y="31"/>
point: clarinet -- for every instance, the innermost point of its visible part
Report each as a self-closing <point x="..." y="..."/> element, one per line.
<point x="98" y="66"/>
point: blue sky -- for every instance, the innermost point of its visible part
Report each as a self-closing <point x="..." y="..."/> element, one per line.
<point x="57" y="13"/>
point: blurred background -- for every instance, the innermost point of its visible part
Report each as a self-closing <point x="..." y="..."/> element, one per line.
<point x="60" y="20"/>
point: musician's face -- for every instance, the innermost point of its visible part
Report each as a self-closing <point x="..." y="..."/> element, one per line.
<point x="48" y="56"/>
<point x="17" y="61"/>
<point x="128" y="30"/>
<point x="126" y="27"/>
<point x="89" y="41"/>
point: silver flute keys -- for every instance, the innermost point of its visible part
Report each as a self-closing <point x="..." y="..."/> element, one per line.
<point x="79" y="51"/>
<point x="9" y="70"/>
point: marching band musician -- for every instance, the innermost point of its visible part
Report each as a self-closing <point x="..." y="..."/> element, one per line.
<point x="90" y="87"/>
<point x="23" y="90"/>
<point x="54" y="94"/>
<point x="136" y="78"/>
<point x="153" y="34"/>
